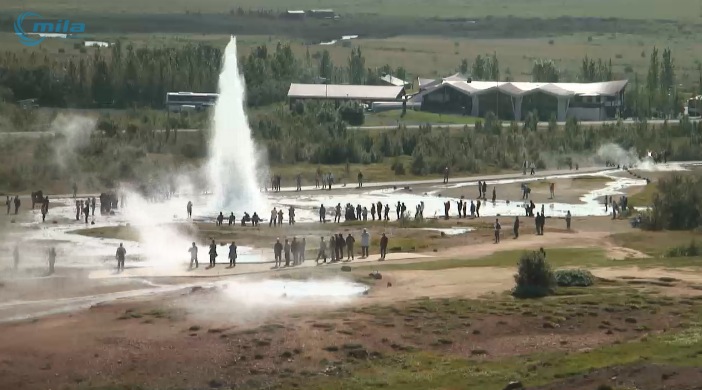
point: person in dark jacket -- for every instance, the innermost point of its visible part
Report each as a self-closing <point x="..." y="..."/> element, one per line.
<point x="213" y="254"/>
<point x="383" y="246"/>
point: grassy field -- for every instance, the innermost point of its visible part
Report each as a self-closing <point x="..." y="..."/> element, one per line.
<point x="656" y="243"/>
<point x="685" y="10"/>
<point x="432" y="56"/>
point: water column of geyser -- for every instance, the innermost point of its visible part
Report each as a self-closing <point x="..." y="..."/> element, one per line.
<point x="233" y="166"/>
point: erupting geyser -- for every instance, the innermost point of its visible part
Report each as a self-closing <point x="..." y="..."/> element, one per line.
<point x="232" y="168"/>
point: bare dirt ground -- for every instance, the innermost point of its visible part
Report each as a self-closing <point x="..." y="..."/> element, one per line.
<point x="197" y="338"/>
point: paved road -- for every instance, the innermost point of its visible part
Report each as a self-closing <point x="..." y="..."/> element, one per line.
<point x="37" y="134"/>
<point x="507" y="124"/>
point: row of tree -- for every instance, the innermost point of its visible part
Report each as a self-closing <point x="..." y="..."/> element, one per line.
<point x="125" y="76"/>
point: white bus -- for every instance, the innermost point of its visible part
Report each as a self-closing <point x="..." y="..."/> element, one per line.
<point x="182" y="101"/>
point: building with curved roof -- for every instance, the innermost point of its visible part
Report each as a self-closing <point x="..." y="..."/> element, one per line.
<point x="511" y="100"/>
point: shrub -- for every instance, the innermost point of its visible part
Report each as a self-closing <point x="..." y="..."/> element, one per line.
<point x="574" y="278"/>
<point x="534" y="277"/>
<point x="352" y="113"/>
<point x="398" y="167"/>
<point x="689" y="250"/>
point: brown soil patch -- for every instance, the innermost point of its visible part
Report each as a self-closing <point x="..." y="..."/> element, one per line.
<point x="132" y="344"/>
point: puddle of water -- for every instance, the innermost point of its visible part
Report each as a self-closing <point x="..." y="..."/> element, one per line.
<point x="455" y="231"/>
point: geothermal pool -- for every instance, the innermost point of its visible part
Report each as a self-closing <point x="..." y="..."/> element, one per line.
<point x="164" y="246"/>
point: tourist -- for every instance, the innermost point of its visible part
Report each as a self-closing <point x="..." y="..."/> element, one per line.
<point x="75" y="190"/>
<point x="44" y="209"/>
<point x="533" y="168"/>
<point x="280" y="217"/>
<point x="472" y="209"/>
<point x="567" y="218"/>
<point x="52" y="260"/>
<point x="17" y="204"/>
<point x="78" y="208"/>
<point x="477" y="209"/>
<point x="295" y="250"/>
<point x="349" y="247"/>
<point x="552" y="190"/>
<point x="213" y="254"/>
<point x="120" y="255"/>
<point x="484" y="190"/>
<point x="278" y="252"/>
<point x="322" y="214"/>
<point x="189" y="208"/>
<point x="379" y="210"/>
<point x="332" y="248"/>
<point x="516" y="228"/>
<point x="459" y="205"/>
<point x="494" y="195"/>
<point x="403" y="208"/>
<point x="232" y="219"/>
<point x="465" y="205"/>
<point x="360" y="179"/>
<point x="302" y="247"/>
<point x="291" y="215"/>
<point x="92" y="205"/>
<point x="193" y="256"/>
<point x="480" y="189"/>
<point x="446" y="174"/>
<point x="364" y="213"/>
<point x="397" y="210"/>
<point x="383" y="246"/>
<point x="8" y="203"/>
<point x="372" y="210"/>
<point x="498" y="227"/>
<point x="322" y="254"/>
<point x="337" y="213"/>
<point x="220" y="219"/>
<point x="447" y="207"/>
<point x="274" y="217"/>
<point x="537" y="222"/>
<point x="387" y="212"/>
<point x="86" y="211"/>
<point x="340" y="244"/>
<point x="299" y="182"/>
<point x="286" y="250"/>
<point x="365" y="243"/>
<point x="232" y="255"/>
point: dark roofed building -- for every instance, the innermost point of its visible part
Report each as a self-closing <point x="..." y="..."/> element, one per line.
<point x="512" y="100"/>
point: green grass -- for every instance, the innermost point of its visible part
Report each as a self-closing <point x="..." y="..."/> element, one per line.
<point x="655" y="243"/>
<point x="644" y="197"/>
<point x="412" y="117"/>
<point x="424" y="370"/>
<point x="557" y="257"/>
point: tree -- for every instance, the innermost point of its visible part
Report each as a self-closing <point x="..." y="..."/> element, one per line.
<point x="534" y="277"/>
<point x="479" y="71"/>
<point x="463" y="68"/>
<point x="357" y="67"/>
<point x="544" y="71"/>
<point x="326" y="66"/>
<point x="652" y="79"/>
<point x="494" y="68"/>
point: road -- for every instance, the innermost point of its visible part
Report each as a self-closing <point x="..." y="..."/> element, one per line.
<point x="37" y="134"/>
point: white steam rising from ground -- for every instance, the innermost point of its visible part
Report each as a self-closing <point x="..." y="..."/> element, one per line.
<point x="73" y="133"/>
<point x="233" y="165"/>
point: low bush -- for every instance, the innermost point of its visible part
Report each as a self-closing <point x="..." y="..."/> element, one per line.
<point x="534" y="278"/>
<point x="689" y="250"/>
<point x="574" y="278"/>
